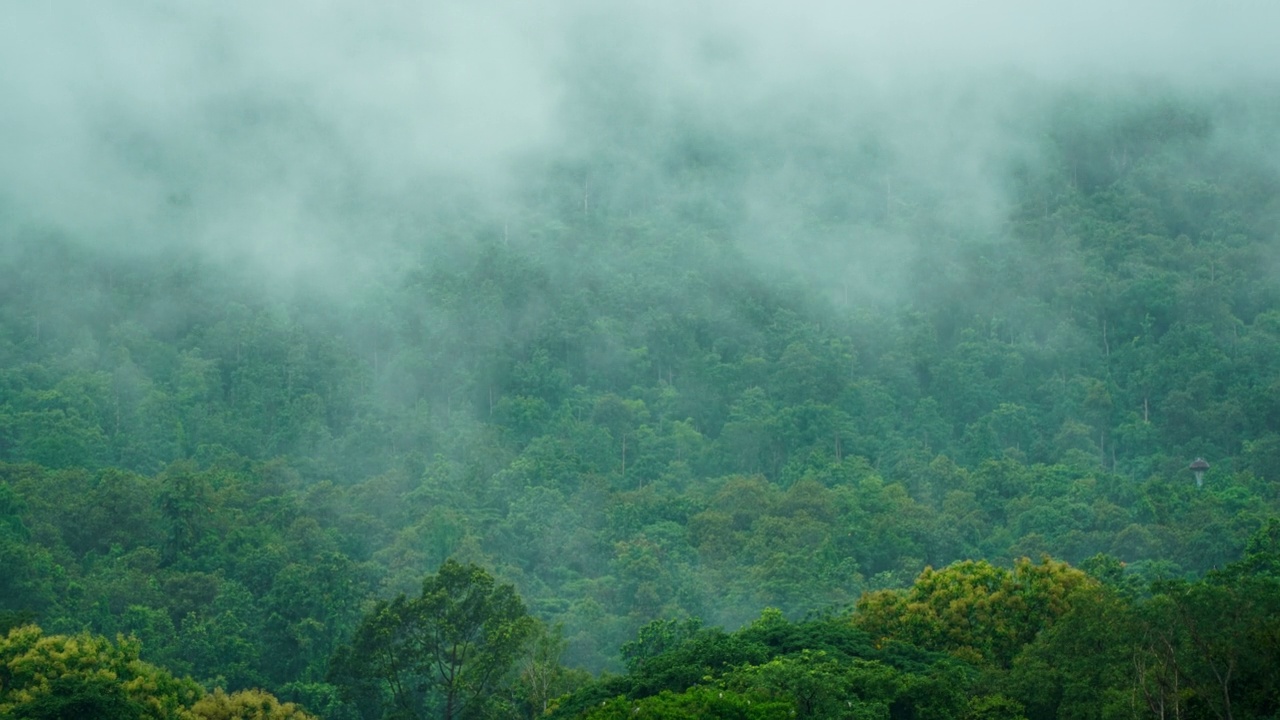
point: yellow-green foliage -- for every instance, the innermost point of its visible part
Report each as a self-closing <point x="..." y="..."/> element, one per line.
<point x="246" y="705"/>
<point x="84" y="675"/>
<point x="974" y="609"/>
<point x="38" y="668"/>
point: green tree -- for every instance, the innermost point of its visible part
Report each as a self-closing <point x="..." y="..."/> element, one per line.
<point x="185" y="506"/>
<point x="443" y="654"/>
<point x="21" y="571"/>
<point x="1082" y="665"/>
<point x="656" y="638"/>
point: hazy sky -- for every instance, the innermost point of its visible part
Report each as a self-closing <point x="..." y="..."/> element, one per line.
<point x="256" y="127"/>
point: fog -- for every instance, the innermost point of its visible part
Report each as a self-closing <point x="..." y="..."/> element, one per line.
<point x="306" y="136"/>
<point x="489" y="271"/>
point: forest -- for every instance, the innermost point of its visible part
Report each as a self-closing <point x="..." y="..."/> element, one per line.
<point x="733" y="405"/>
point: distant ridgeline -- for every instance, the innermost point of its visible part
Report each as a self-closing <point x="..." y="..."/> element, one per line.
<point x="616" y="400"/>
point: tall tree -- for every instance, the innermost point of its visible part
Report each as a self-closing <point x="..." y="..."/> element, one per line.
<point x="443" y="654"/>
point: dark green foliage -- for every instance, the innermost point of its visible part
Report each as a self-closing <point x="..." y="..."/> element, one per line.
<point x="448" y="653"/>
<point x="818" y="669"/>
<point x="698" y="702"/>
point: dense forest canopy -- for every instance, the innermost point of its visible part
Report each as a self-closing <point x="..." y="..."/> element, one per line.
<point x="735" y="353"/>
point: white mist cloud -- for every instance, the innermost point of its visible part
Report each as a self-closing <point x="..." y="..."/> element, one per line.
<point x="260" y="123"/>
<point x="279" y="130"/>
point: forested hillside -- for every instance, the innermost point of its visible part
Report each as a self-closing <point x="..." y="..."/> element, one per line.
<point x="779" y="402"/>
